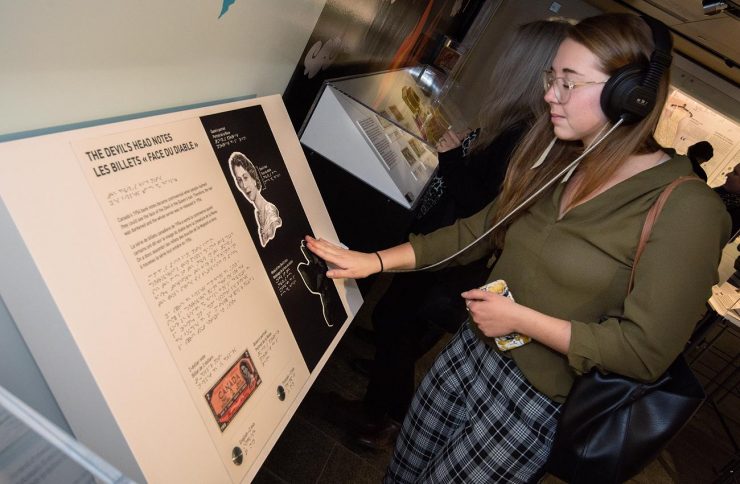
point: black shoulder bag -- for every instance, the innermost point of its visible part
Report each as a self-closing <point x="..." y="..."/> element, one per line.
<point x="610" y="426"/>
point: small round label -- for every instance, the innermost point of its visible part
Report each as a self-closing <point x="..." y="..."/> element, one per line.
<point x="237" y="456"/>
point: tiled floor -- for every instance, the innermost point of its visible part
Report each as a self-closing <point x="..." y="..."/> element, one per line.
<point x="315" y="448"/>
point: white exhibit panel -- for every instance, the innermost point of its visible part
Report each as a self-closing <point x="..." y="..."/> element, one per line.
<point x="381" y="128"/>
<point x="686" y="120"/>
<point x="172" y="246"/>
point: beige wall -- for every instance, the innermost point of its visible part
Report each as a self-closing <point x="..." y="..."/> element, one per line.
<point x="67" y="62"/>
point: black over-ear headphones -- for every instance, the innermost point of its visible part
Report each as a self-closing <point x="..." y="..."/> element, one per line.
<point x="630" y="92"/>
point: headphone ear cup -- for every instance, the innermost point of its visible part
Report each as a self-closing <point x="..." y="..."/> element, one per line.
<point x="619" y="93"/>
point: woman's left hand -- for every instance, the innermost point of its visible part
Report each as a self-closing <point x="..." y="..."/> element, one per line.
<point x="497" y="315"/>
<point x="493" y="313"/>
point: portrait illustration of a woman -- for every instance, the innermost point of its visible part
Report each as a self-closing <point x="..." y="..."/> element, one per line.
<point x="250" y="184"/>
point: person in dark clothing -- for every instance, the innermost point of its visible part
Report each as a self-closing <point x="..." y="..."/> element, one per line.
<point x="698" y="154"/>
<point x="419" y="308"/>
<point x="730" y="195"/>
<point x="729" y="192"/>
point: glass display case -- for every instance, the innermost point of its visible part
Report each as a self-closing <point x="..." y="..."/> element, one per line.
<point x="383" y="127"/>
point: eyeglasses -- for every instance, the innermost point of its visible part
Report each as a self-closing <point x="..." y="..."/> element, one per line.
<point x="563" y="86"/>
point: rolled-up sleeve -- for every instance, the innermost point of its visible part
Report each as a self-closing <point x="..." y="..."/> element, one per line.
<point x="673" y="281"/>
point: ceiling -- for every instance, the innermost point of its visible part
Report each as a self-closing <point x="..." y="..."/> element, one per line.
<point x="710" y="40"/>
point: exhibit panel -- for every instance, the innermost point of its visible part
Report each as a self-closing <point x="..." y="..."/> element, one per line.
<point x="173" y="248"/>
<point x="686" y="120"/>
<point x="382" y="128"/>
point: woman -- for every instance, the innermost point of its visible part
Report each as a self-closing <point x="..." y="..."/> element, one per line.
<point x="248" y="180"/>
<point x="417" y="309"/>
<point x="482" y="415"/>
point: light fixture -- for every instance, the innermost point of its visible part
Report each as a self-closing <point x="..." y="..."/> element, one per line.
<point x="730" y="8"/>
<point x="713" y="7"/>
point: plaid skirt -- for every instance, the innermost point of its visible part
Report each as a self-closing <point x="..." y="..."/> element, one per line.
<point x="474" y="419"/>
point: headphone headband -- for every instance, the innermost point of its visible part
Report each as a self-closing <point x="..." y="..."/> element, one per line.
<point x="631" y="92"/>
<point x="661" y="58"/>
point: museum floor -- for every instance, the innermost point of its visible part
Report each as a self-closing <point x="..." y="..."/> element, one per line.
<point x="315" y="448"/>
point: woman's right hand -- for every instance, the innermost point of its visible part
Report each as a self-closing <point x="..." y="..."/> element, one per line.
<point x="349" y="263"/>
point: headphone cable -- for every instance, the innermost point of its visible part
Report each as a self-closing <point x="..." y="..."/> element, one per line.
<point x="568" y="169"/>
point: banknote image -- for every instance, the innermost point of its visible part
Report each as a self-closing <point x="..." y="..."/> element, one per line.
<point x="411" y="99"/>
<point x="416" y="146"/>
<point x="232" y="390"/>
<point x="410" y="158"/>
<point x="395" y="112"/>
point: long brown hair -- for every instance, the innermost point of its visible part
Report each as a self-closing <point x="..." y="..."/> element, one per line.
<point x="616" y="40"/>
<point x="515" y="86"/>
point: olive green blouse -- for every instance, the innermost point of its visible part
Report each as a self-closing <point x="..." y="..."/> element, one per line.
<point x="578" y="268"/>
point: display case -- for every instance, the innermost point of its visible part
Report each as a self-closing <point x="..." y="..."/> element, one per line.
<point x="382" y="128"/>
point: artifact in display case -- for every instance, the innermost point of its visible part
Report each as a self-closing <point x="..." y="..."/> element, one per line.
<point x="449" y="55"/>
<point x="382" y="128"/>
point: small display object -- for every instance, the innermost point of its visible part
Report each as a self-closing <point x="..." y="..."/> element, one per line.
<point x="449" y="55"/>
<point x="189" y="319"/>
<point x="382" y="128"/>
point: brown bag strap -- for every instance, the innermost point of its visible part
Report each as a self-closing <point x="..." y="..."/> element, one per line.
<point x="650" y="219"/>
